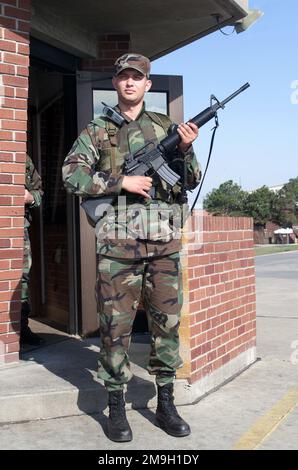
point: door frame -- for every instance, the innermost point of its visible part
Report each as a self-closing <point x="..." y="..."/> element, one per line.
<point x="58" y="61"/>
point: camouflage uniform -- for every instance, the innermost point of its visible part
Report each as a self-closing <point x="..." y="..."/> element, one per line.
<point x="33" y="185"/>
<point x="134" y="263"/>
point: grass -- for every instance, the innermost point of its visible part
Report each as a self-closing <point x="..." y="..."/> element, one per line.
<point x="267" y="250"/>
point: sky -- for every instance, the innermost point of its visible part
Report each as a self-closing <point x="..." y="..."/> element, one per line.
<point x="257" y="141"/>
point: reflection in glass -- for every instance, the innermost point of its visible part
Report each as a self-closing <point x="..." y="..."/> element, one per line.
<point x="156" y="101"/>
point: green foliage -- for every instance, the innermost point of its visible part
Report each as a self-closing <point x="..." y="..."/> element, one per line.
<point x="225" y="200"/>
<point x="288" y="203"/>
<point x="262" y="204"/>
<point x="259" y="205"/>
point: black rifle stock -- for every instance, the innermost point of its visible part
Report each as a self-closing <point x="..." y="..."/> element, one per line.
<point x="153" y="161"/>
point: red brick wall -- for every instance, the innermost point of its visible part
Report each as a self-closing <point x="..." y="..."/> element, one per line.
<point x="110" y="47"/>
<point x="14" y="71"/>
<point x="221" y="294"/>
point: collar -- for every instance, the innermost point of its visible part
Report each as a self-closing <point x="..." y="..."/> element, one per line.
<point x="127" y="118"/>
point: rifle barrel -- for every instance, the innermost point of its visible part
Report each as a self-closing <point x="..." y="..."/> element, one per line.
<point x="171" y="141"/>
<point x="232" y="96"/>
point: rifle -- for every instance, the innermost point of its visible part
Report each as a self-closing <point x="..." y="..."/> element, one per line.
<point x="152" y="161"/>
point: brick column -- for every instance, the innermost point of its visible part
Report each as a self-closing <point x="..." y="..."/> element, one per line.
<point x="110" y="47"/>
<point x="218" y="328"/>
<point x="14" y="71"/>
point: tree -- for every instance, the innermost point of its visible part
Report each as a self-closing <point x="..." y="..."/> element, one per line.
<point x="227" y="199"/>
<point x="260" y="205"/>
<point x="288" y="203"/>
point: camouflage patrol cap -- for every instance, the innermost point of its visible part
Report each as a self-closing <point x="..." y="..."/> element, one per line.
<point x="133" y="61"/>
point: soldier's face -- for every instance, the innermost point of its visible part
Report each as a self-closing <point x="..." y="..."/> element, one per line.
<point x="131" y="86"/>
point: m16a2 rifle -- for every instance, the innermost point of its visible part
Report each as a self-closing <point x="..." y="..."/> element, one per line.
<point x="153" y="161"/>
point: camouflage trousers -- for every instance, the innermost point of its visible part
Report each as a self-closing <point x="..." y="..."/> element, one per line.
<point x="27" y="262"/>
<point x="121" y="284"/>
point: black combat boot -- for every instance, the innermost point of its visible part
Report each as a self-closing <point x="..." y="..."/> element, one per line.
<point x="167" y="415"/>
<point x="28" y="337"/>
<point x="118" y="427"/>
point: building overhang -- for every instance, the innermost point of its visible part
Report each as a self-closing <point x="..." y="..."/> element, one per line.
<point x="155" y="28"/>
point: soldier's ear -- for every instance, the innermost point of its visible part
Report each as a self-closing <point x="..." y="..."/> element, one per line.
<point x="113" y="81"/>
<point x="148" y="85"/>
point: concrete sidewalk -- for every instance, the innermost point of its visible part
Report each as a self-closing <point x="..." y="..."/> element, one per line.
<point x="255" y="410"/>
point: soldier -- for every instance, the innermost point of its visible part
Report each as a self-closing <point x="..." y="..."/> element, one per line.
<point x="33" y="195"/>
<point x="134" y="261"/>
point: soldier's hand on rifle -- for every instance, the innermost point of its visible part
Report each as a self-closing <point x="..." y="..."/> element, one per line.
<point x="29" y="199"/>
<point x="188" y="133"/>
<point x="137" y="184"/>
